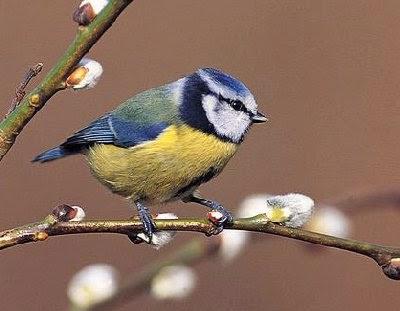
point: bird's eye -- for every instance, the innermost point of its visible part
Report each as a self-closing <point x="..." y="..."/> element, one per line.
<point x="234" y="103"/>
<point x="238" y="105"/>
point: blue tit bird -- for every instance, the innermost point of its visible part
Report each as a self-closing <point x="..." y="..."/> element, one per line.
<point x="162" y="144"/>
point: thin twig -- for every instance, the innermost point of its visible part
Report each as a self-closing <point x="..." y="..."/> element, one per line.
<point x="40" y="231"/>
<point x="199" y="249"/>
<point x="20" y="90"/>
<point x="54" y="81"/>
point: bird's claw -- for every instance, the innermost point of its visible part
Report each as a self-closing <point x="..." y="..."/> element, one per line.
<point x="135" y="239"/>
<point x="219" y="218"/>
<point x="149" y="226"/>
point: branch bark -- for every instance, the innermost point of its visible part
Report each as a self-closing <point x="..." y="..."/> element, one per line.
<point x="385" y="256"/>
<point x="197" y="249"/>
<point x="87" y="36"/>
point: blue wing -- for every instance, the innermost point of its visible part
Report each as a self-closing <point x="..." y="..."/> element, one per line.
<point x="109" y="129"/>
<point x="112" y="129"/>
<point x="98" y="131"/>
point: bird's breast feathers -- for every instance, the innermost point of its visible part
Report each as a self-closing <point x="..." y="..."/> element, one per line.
<point x="168" y="167"/>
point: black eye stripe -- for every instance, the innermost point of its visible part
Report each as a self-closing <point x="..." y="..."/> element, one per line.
<point x="221" y="98"/>
<point x="238" y="105"/>
<point x="235" y="104"/>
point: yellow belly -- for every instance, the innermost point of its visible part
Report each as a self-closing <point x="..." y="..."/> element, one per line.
<point x="155" y="171"/>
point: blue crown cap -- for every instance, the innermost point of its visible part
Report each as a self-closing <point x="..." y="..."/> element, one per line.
<point x="220" y="77"/>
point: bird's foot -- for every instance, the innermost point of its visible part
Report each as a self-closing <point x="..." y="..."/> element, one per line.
<point x="219" y="217"/>
<point x="135" y="239"/>
<point x="147" y="220"/>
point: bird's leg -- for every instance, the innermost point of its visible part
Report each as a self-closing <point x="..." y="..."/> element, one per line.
<point x="145" y="217"/>
<point x="215" y="206"/>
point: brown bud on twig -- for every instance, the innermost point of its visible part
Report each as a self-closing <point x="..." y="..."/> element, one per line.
<point x="84" y="15"/>
<point x="392" y="269"/>
<point x="66" y="213"/>
<point x="76" y="76"/>
<point x="87" y="11"/>
<point x="41" y="236"/>
<point x="85" y="75"/>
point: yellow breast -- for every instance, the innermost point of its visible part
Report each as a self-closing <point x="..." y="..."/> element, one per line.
<point x="158" y="170"/>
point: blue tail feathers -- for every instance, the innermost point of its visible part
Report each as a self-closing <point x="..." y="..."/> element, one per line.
<point x="53" y="154"/>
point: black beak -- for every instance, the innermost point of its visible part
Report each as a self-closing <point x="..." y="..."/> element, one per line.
<point x="259" y="118"/>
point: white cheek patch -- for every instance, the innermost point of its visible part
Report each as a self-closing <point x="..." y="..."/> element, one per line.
<point x="247" y="98"/>
<point x="227" y="121"/>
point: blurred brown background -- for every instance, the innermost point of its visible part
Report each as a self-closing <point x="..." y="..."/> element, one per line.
<point x="328" y="73"/>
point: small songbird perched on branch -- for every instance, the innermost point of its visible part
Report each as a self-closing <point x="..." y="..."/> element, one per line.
<point x="162" y="144"/>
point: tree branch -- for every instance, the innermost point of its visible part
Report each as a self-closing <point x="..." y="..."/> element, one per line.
<point x="385" y="256"/>
<point x="197" y="249"/>
<point x="54" y="81"/>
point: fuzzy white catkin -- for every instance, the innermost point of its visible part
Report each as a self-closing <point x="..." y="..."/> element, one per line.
<point x="253" y="205"/>
<point x="80" y="213"/>
<point x="331" y="221"/>
<point x="232" y="243"/>
<point x="294" y="209"/>
<point x="92" y="284"/>
<point x="160" y="238"/>
<point x="173" y="282"/>
<point x="97" y="5"/>
<point x="92" y="76"/>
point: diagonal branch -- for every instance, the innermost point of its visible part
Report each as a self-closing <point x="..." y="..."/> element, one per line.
<point x="385" y="256"/>
<point x="86" y="37"/>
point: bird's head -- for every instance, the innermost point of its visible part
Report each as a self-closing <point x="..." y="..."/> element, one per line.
<point x="218" y="103"/>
